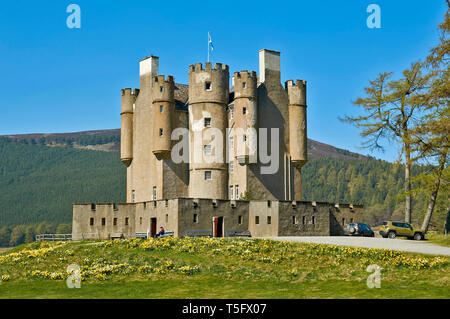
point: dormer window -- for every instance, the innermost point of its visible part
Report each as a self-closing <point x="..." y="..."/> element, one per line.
<point x="208" y="86"/>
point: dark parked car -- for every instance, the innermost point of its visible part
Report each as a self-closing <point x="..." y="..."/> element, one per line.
<point x="359" y="229"/>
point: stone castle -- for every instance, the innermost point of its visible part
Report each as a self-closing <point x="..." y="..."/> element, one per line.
<point x="198" y="160"/>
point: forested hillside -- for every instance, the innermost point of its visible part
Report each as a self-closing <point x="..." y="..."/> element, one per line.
<point x="40" y="183"/>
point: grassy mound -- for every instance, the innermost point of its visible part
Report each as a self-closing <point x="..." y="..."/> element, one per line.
<point x="217" y="268"/>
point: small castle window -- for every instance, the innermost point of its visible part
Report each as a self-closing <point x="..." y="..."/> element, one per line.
<point x="244" y="110"/>
<point x="161" y="108"/>
<point x="240" y="219"/>
<point x="208" y="86"/>
<point x="208" y="175"/>
<point x="237" y="191"/>
<point x="126" y="221"/>
<point x="343" y="221"/>
<point x="154" y="193"/>
<point x="269" y="203"/>
<point x="161" y="89"/>
<point x="167" y="218"/>
<point x="93" y="207"/>
<point x="91" y="221"/>
<point x="115" y="207"/>
<point x="231" y="192"/>
<point x="294" y="220"/>
<point x="304" y="220"/>
<point x="207" y="149"/>
<point x="115" y="222"/>
<point x="232" y="167"/>
<point x="257" y="220"/>
<point x="244" y="85"/>
<point x="232" y="143"/>
<point x="167" y="203"/>
<point x="231" y="113"/>
<point x="244" y="138"/>
<point x="160" y="132"/>
<point x="133" y="196"/>
<point x="314" y="220"/>
<point x="207" y="121"/>
<point x="195" y="218"/>
<point x="269" y="220"/>
<point x="103" y="221"/>
<point x="140" y="220"/>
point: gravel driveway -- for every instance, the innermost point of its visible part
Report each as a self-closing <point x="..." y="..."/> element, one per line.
<point x="412" y="246"/>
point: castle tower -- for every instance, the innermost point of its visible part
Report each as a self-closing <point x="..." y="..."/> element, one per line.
<point x="163" y="105"/>
<point x="208" y="99"/>
<point x="297" y="130"/>
<point x="245" y="116"/>
<point x="126" y="132"/>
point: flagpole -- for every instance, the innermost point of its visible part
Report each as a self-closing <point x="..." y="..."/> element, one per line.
<point x="208" y="45"/>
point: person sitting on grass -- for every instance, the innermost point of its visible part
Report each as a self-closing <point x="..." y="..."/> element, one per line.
<point x="161" y="232"/>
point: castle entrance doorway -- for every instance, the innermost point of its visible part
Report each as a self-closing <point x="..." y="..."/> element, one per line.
<point x="153" y="226"/>
<point x="218" y="226"/>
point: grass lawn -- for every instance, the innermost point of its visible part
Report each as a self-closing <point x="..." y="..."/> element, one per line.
<point x="217" y="268"/>
<point x="439" y="239"/>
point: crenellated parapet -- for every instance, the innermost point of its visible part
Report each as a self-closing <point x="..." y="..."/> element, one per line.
<point x="208" y="84"/>
<point x="163" y="89"/>
<point x="296" y="92"/>
<point x="245" y="85"/>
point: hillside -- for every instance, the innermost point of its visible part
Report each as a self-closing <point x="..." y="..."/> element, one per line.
<point x="109" y="140"/>
<point x="39" y="183"/>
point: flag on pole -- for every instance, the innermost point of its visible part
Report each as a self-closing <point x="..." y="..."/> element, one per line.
<point x="210" y="42"/>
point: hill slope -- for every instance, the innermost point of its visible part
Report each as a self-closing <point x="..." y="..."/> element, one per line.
<point x="109" y="140"/>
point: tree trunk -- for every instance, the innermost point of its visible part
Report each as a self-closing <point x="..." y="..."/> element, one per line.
<point x="407" y="184"/>
<point x="434" y="193"/>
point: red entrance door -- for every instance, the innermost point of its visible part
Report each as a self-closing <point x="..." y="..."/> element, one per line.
<point x="218" y="226"/>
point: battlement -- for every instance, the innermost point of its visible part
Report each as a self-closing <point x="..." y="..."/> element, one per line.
<point x="244" y="75"/>
<point x="208" y="67"/>
<point x="163" y="88"/>
<point x="296" y="92"/>
<point x="129" y="91"/>
<point x="162" y="78"/>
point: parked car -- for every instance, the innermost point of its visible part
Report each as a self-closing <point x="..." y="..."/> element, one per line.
<point x="390" y="229"/>
<point x="359" y="229"/>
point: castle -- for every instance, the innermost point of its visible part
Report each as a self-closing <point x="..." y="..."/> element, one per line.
<point x="215" y="159"/>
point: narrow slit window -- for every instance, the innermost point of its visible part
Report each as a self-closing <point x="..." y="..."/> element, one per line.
<point x="161" y="89"/>
<point x="269" y="220"/>
<point x="208" y="86"/>
<point x="160" y="132"/>
<point x="126" y="221"/>
<point x="195" y="218"/>
<point x="244" y="110"/>
<point x="91" y="222"/>
<point x="244" y="85"/>
<point x="257" y="220"/>
<point x="240" y="219"/>
<point x="115" y="222"/>
<point x="161" y="108"/>
<point x="103" y="221"/>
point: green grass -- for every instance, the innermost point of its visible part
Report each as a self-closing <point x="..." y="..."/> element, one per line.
<point x="219" y="268"/>
<point x="440" y="239"/>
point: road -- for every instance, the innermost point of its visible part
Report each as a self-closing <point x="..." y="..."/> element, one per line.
<point x="413" y="246"/>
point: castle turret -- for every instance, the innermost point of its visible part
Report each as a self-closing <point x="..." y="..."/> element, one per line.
<point x="246" y="116"/>
<point x="297" y="122"/>
<point x="126" y="131"/>
<point x="163" y="105"/>
<point x="208" y="99"/>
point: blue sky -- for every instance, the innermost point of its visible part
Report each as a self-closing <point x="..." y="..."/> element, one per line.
<point x="56" y="79"/>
